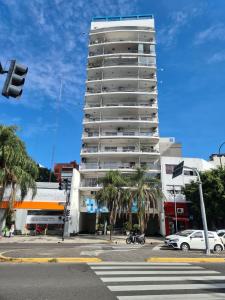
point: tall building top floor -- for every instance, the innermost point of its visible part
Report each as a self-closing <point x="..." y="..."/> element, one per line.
<point x="146" y="21"/>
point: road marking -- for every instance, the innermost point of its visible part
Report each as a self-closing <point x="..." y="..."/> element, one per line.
<point x="208" y="296"/>
<point x="168" y="287"/>
<point x="155" y="272"/>
<point x="157" y="247"/>
<point x="186" y="259"/>
<point x="109" y="263"/>
<point x="161" y="278"/>
<point x="146" y="267"/>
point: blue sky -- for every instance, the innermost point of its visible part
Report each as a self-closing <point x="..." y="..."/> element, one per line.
<point x="50" y="37"/>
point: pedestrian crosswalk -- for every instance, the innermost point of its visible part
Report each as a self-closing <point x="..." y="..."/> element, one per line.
<point x="160" y="281"/>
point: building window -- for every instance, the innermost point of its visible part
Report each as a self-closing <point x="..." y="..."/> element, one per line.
<point x="170" y="168"/>
<point x="189" y="173"/>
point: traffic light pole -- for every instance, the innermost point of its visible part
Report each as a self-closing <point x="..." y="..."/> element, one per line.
<point x="202" y="205"/>
<point x="65" y="210"/>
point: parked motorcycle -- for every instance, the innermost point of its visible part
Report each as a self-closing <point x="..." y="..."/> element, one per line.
<point x="135" y="238"/>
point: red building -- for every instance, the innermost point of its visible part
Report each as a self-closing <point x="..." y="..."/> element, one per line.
<point x="64" y="168"/>
<point x="181" y="214"/>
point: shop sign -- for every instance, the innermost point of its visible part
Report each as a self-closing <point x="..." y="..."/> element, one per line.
<point x="33" y="219"/>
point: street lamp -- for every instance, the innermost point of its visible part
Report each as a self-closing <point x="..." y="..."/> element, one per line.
<point x="221" y="165"/>
<point x="178" y="170"/>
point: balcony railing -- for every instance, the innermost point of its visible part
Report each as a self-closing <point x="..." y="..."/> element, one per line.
<point x="121" y="51"/>
<point x="119" y="134"/>
<point x="112" y="118"/>
<point x="135" y="40"/>
<point x="117" y="165"/>
<point x="119" y="150"/>
<point x="120" y="62"/>
<point x="118" y="77"/>
<point x="92" y="105"/>
<point x="120" y="89"/>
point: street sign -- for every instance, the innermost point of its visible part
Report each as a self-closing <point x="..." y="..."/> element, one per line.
<point x="178" y="170"/>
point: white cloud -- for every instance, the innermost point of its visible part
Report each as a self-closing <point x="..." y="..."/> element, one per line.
<point x="217" y="57"/>
<point x="212" y="33"/>
<point x="167" y="36"/>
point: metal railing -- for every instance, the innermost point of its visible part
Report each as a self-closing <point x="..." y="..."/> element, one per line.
<point x="135" y="40"/>
<point x="119" y="150"/>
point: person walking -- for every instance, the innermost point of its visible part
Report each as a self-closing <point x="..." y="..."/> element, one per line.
<point x="11" y="230"/>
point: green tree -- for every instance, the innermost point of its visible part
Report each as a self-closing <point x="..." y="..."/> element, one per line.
<point x="111" y="195"/>
<point x="147" y="192"/>
<point x="44" y="175"/>
<point x="17" y="169"/>
<point x="213" y="185"/>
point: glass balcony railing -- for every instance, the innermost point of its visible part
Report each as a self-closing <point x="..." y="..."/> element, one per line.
<point x="120" y="62"/>
<point x="135" y="39"/>
<point x="120" y="89"/>
<point x="112" y="118"/>
<point x="119" y="150"/>
<point x="116" y="165"/>
<point x="121" y="51"/>
<point x="92" y="105"/>
<point x="119" y="76"/>
<point x="119" y="134"/>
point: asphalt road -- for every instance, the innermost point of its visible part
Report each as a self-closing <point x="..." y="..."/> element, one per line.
<point x="109" y="280"/>
<point x="50" y="282"/>
<point x="107" y="252"/>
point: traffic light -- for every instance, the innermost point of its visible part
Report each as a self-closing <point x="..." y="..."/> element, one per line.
<point x="15" y="79"/>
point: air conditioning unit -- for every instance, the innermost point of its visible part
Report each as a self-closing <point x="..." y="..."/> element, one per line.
<point x="180" y="210"/>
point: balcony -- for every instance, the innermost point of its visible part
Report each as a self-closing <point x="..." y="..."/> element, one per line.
<point x="123" y="60"/>
<point x="114" y="118"/>
<point x="119" y="150"/>
<point x="131" y="166"/>
<point x="123" y="134"/>
<point x="129" y="52"/>
<point x="91" y="91"/>
<point x="122" y="104"/>
<point x="119" y="76"/>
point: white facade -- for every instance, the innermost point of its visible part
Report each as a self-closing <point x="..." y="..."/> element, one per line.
<point x="169" y="185"/>
<point x="120" y="125"/>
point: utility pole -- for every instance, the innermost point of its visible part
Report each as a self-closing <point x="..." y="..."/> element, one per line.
<point x="175" y="207"/>
<point x="66" y="212"/>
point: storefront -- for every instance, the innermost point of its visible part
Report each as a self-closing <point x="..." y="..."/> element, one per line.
<point x="176" y="215"/>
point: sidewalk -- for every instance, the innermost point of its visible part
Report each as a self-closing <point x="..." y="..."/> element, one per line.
<point x="80" y="239"/>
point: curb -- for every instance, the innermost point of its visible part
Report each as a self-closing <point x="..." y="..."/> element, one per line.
<point x="186" y="259"/>
<point x="50" y="259"/>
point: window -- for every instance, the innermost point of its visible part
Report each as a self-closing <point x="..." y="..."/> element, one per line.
<point x="197" y="235"/>
<point x="128" y="148"/>
<point x="111" y="149"/>
<point x="170" y="168"/>
<point x="189" y="173"/>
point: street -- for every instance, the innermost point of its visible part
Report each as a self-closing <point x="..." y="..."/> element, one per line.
<point x="112" y="280"/>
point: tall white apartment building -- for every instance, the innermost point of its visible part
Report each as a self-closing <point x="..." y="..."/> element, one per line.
<point x="120" y="125"/>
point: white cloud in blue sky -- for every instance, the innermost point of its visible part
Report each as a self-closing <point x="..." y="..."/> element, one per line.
<point x="51" y="38"/>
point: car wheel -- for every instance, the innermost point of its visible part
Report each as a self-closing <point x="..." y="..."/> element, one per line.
<point x="218" y="248"/>
<point x="184" y="247"/>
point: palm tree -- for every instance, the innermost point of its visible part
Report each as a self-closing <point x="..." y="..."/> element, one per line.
<point x="146" y="191"/>
<point x="17" y="169"/>
<point x="111" y="196"/>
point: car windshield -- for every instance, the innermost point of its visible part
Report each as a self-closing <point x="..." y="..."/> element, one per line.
<point x="221" y="233"/>
<point x="185" y="232"/>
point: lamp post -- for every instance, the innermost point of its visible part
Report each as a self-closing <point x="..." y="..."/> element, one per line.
<point x="221" y="165"/>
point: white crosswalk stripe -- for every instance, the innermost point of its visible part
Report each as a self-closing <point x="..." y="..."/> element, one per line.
<point x="162" y="281"/>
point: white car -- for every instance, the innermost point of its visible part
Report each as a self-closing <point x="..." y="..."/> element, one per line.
<point x="194" y="239"/>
